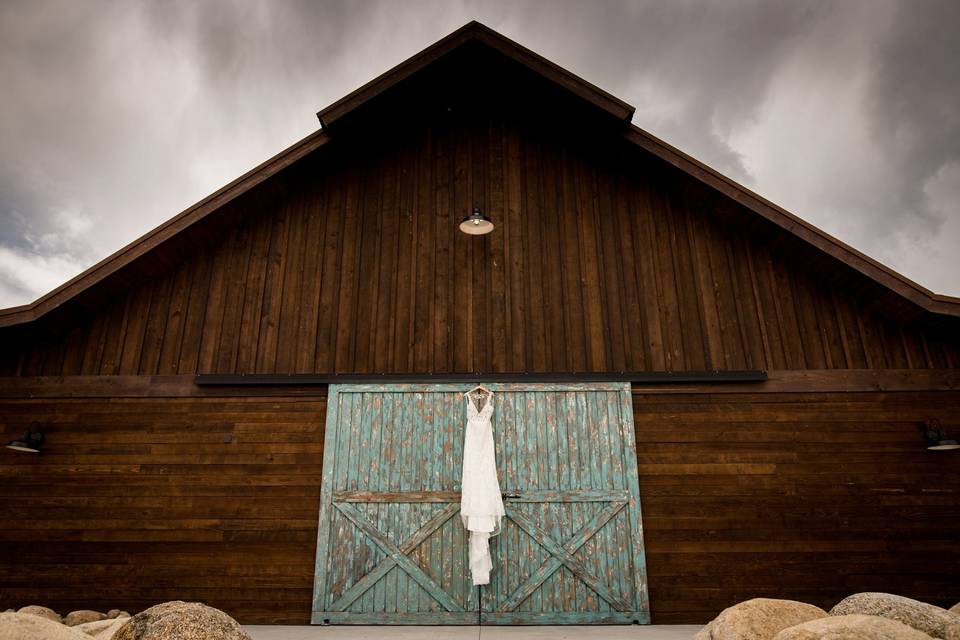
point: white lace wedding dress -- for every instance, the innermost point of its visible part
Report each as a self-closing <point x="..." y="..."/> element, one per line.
<point x="481" y="505"/>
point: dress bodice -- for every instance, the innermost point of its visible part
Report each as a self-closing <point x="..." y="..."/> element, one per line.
<point x="473" y="413"/>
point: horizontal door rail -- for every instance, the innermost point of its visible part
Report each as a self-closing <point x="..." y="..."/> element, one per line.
<point x="557" y="617"/>
<point x="418" y="618"/>
<point x="454" y="496"/>
<point x="307" y="379"/>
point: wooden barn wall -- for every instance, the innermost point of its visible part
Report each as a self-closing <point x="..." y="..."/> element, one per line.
<point x="804" y="494"/>
<point x="602" y="259"/>
<point x="139" y="501"/>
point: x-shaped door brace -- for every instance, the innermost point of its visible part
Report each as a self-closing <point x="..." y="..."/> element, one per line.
<point x="562" y="555"/>
<point x="396" y="556"/>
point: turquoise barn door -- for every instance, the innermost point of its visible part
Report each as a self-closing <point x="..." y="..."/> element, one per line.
<point x="390" y="545"/>
<point x="571" y="550"/>
<point x="391" y="548"/>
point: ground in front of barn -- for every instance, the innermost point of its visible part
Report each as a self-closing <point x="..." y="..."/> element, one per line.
<point x="624" y="632"/>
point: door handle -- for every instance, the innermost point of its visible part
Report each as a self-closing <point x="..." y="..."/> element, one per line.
<point x="507" y="496"/>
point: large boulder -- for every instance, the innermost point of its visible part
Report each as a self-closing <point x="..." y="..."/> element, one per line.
<point x="43" y="612"/>
<point x="103" y="629"/>
<point x="117" y="613"/>
<point x="82" y="616"/>
<point x="930" y="619"/>
<point x="758" y="619"/>
<point x="181" y="621"/>
<point x="955" y="608"/>
<point x="27" y="626"/>
<point x="852" y="627"/>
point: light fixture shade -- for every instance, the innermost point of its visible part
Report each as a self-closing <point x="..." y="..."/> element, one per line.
<point x="944" y="445"/>
<point x="936" y="438"/>
<point x="476" y="224"/>
<point x="29" y="443"/>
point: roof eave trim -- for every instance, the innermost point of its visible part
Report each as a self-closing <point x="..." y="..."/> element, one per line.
<point x="862" y="263"/>
<point x="117" y="260"/>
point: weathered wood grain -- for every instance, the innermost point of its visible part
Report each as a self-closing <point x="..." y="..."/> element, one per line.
<point x="771" y="491"/>
<point x="398" y="458"/>
<point x="601" y="259"/>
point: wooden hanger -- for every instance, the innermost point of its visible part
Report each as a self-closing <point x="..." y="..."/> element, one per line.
<point x="479" y="386"/>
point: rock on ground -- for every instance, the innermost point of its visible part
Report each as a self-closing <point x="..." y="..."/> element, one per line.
<point x="117" y="613"/>
<point x="852" y="627"/>
<point x="758" y="619"/>
<point x="27" y="626"/>
<point x="955" y="608"/>
<point x="181" y="621"/>
<point x="43" y="612"/>
<point x="928" y="618"/>
<point x="103" y="629"/>
<point x="74" y="618"/>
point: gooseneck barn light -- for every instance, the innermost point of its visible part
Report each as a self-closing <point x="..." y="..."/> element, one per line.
<point x="936" y="437"/>
<point x="476" y="224"/>
<point x="29" y="442"/>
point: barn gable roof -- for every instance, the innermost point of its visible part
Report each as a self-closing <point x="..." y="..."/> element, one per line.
<point x="901" y="296"/>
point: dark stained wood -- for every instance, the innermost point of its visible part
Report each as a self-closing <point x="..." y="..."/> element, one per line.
<point x="878" y="273"/>
<point x="172" y="386"/>
<point x="110" y="267"/>
<point x="137" y="500"/>
<point x="612" y="252"/>
<point x="472" y="56"/>
<point x="329" y="279"/>
<point x="805" y="496"/>
<point x="325" y="273"/>
<point x="810" y="488"/>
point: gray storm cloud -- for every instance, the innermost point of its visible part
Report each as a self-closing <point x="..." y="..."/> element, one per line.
<point x="116" y="116"/>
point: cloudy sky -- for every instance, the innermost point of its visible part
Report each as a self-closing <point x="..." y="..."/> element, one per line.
<point x="116" y="115"/>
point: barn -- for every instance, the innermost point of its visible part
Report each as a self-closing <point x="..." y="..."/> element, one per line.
<point x="699" y="398"/>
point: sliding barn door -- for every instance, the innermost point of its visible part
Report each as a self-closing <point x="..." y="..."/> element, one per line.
<point x="391" y="548"/>
<point x="571" y="550"/>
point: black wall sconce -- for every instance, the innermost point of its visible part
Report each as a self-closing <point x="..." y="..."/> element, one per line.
<point x="29" y="442"/>
<point x="936" y="437"/>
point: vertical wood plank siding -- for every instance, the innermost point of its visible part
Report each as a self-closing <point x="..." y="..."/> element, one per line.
<point x="602" y="259"/>
<point x="807" y="496"/>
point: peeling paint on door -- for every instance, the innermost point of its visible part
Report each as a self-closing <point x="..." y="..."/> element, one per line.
<point x="391" y="548"/>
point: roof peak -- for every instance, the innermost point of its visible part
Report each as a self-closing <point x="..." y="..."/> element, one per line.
<point x="476" y="32"/>
<point x="81" y="292"/>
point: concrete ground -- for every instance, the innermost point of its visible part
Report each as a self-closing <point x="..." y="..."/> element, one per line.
<point x="598" y="632"/>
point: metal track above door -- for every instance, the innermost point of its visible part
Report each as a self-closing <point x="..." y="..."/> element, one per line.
<point x="637" y="377"/>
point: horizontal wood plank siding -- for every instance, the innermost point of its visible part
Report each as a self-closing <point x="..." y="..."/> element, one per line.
<point x="601" y="259"/>
<point x="812" y="490"/>
<point x="804" y="496"/>
<point x="142" y="500"/>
